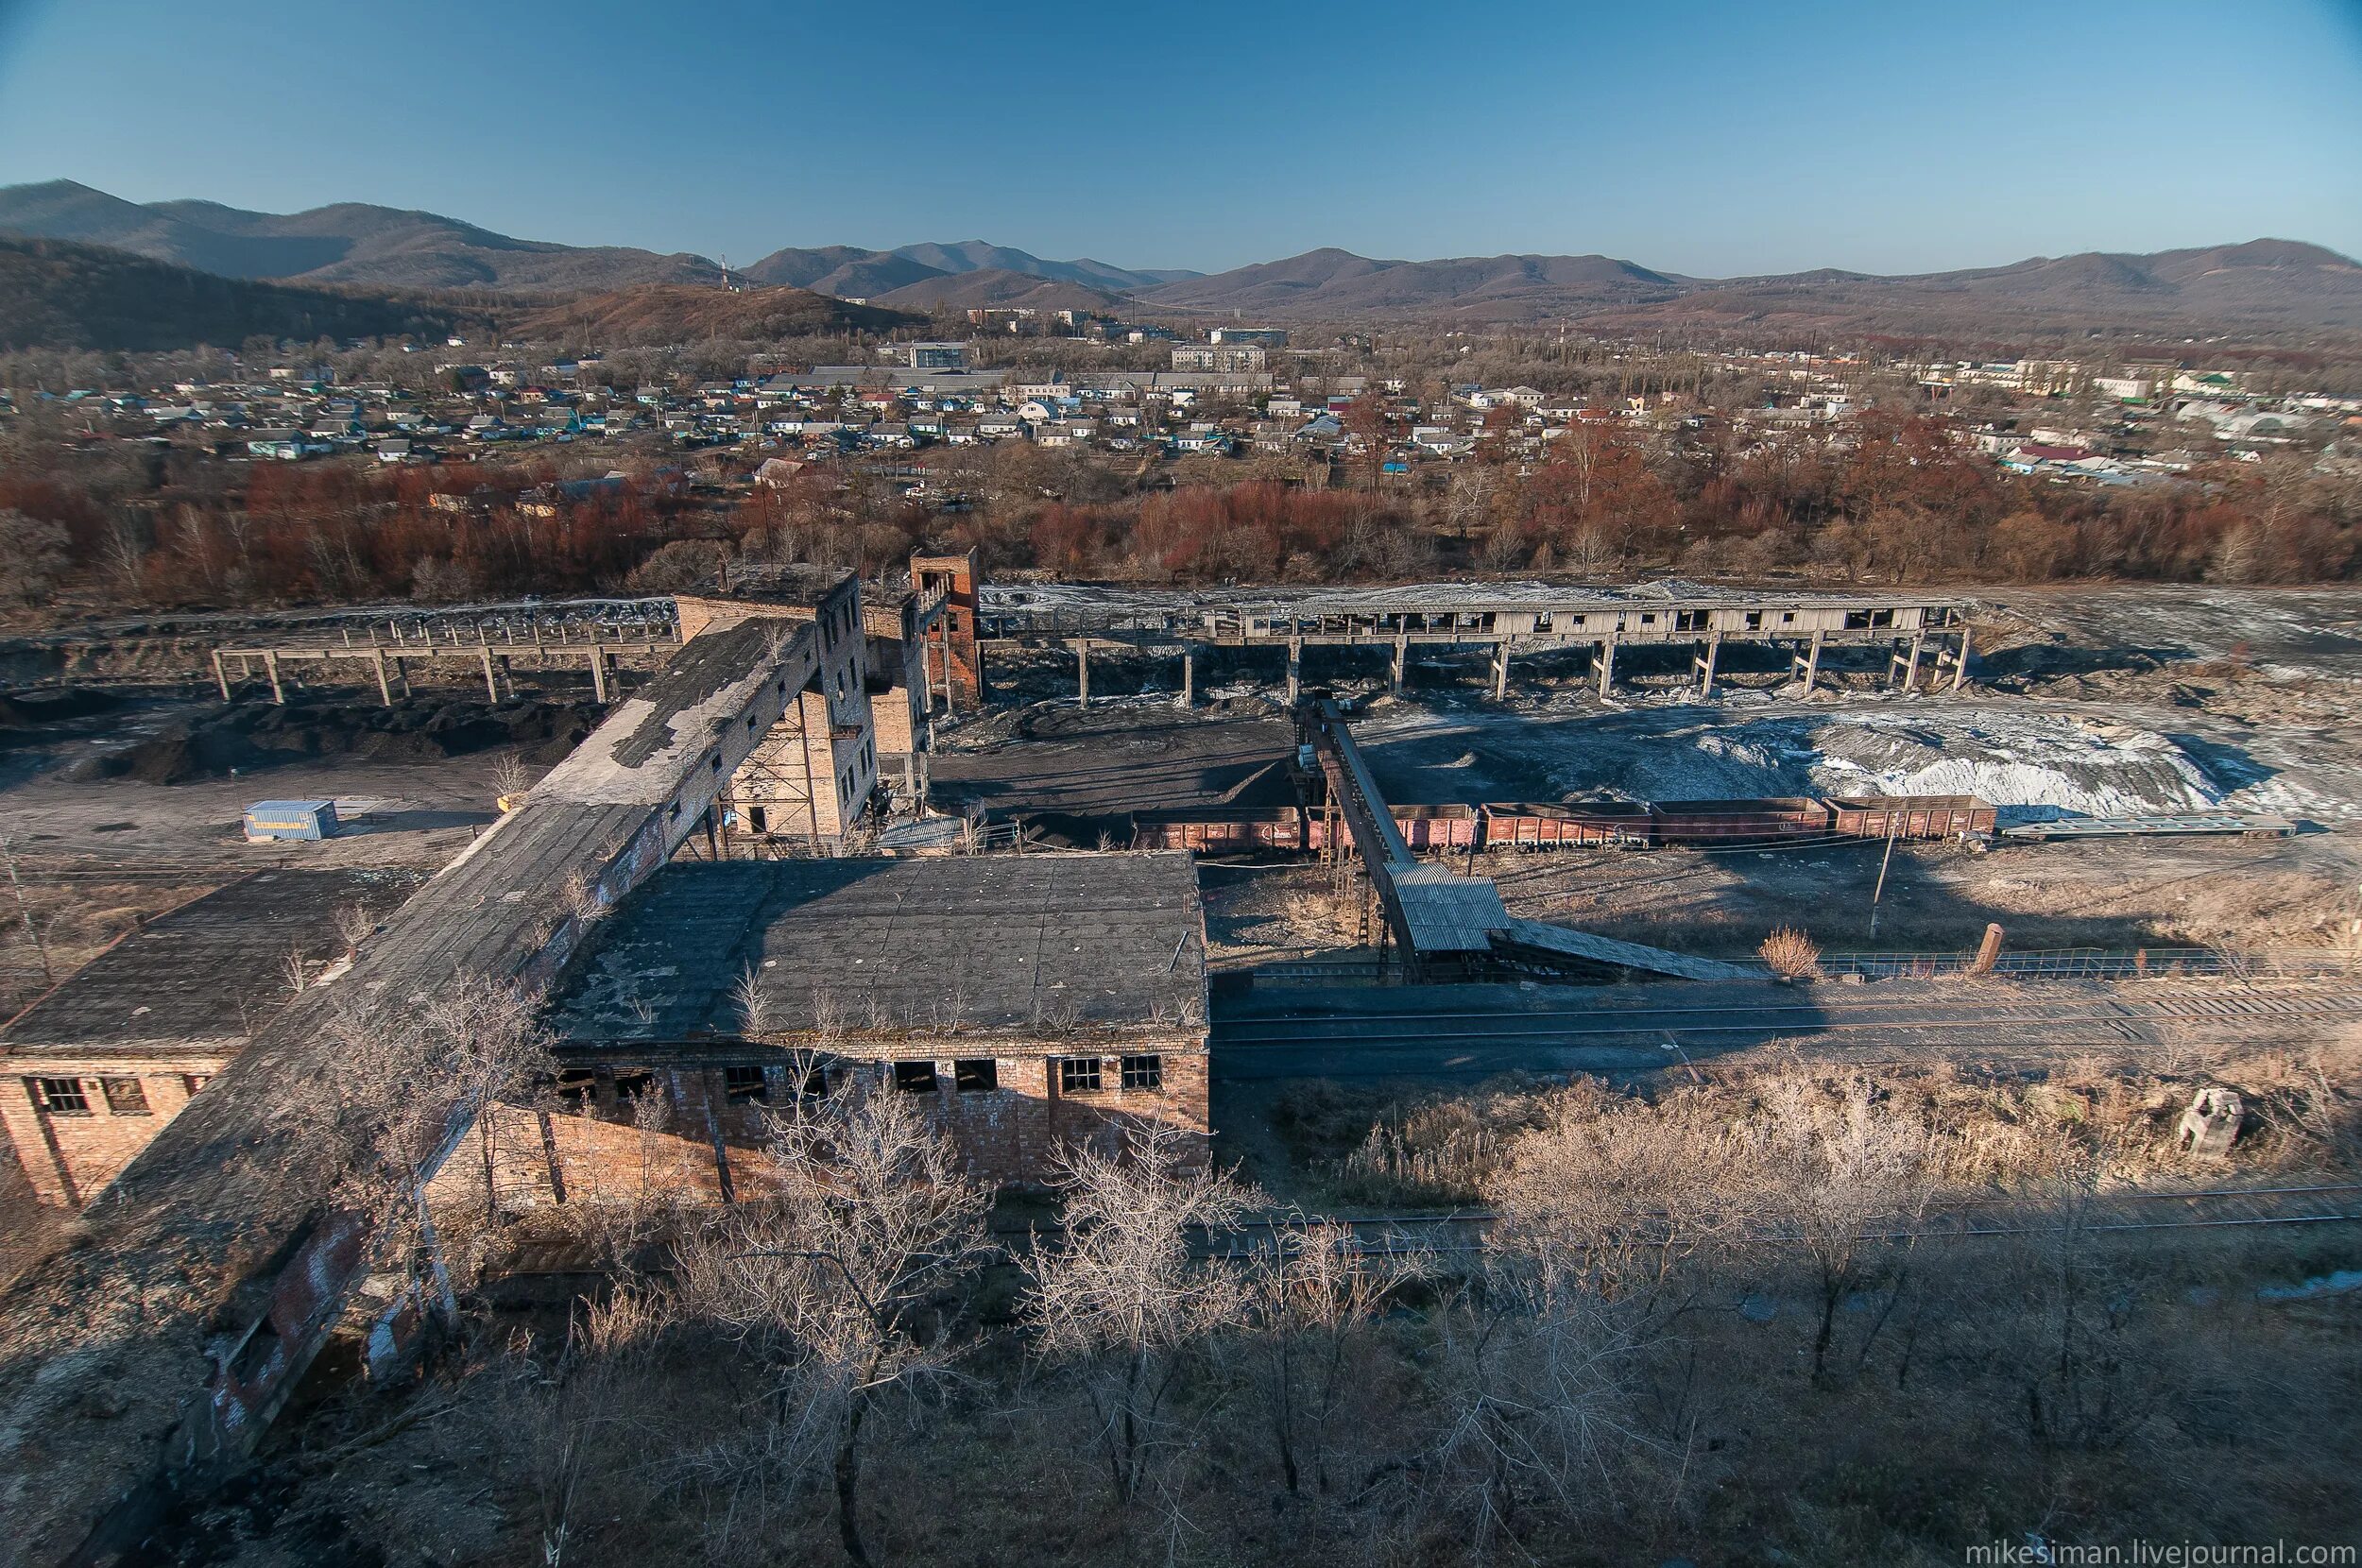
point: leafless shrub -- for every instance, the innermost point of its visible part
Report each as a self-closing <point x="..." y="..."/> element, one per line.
<point x="354" y="925"/>
<point x="579" y="898"/>
<point x="1534" y="1386"/>
<point x="1120" y="1303"/>
<point x="1614" y="1195"/>
<point x="751" y="1003"/>
<point x="1791" y="953"/>
<point x="510" y="778"/>
<point x="406" y="1086"/>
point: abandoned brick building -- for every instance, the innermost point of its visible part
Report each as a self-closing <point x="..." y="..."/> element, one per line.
<point x="1036" y="1002"/>
<point x="95" y="1065"/>
<point x="809" y="781"/>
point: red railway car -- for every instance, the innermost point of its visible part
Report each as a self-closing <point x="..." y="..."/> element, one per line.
<point x="1232" y="830"/>
<point x="1738" y="821"/>
<point x="1437" y="827"/>
<point x="1542" y="826"/>
<point x="1910" y="816"/>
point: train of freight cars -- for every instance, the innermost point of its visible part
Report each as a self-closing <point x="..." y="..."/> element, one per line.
<point x="1496" y="825"/>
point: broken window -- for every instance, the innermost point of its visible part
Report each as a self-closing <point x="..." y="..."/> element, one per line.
<point x="1143" y="1073"/>
<point x="1078" y="1075"/>
<point x="975" y="1075"/>
<point x="576" y="1087"/>
<point x="740" y="1084"/>
<point x="192" y="1081"/>
<point x="916" y="1078"/>
<point x="126" y="1097"/>
<point x="632" y="1085"/>
<point x="59" y="1097"/>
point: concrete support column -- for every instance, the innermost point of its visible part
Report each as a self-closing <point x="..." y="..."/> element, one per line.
<point x="1189" y="676"/>
<point x="1083" y="673"/>
<point x="1960" y="671"/>
<point x="1812" y="665"/>
<point x="1402" y="658"/>
<point x="385" y="690"/>
<point x="598" y="672"/>
<point x="1910" y="670"/>
<point x="221" y="676"/>
<point x="271" y="664"/>
<point x="402" y="674"/>
<point x="1607" y="666"/>
<point x="1500" y="671"/>
<point x="1713" y="651"/>
<point x="491" y="683"/>
<point x="1295" y="668"/>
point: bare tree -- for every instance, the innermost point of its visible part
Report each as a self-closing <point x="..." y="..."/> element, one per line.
<point x="1534" y="1385"/>
<point x="1119" y="1301"/>
<point x="1310" y="1303"/>
<point x="840" y="1281"/>
<point x="406" y="1088"/>
<point x="1843" y="1175"/>
<point x="33" y="559"/>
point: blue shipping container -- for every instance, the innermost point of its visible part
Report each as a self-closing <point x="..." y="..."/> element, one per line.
<point x="291" y="819"/>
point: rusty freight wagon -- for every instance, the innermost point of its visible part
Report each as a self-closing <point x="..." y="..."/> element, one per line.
<point x="1544" y="826"/>
<point x="1232" y="831"/>
<point x="1738" y="821"/>
<point x="1452" y="826"/>
<point x="1910" y="816"/>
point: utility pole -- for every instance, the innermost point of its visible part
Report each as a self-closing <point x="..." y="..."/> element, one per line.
<point x="1884" y="860"/>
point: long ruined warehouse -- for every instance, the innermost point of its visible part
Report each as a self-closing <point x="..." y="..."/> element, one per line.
<point x="152" y="1352"/>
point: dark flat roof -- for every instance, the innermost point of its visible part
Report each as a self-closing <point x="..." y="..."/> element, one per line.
<point x="998" y="942"/>
<point x="210" y="974"/>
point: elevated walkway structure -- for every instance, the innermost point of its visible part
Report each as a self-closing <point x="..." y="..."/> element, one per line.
<point x="209" y="1276"/>
<point x="1922" y="636"/>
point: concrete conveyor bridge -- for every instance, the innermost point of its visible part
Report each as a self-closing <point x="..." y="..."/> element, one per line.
<point x="207" y="1275"/>
<point x="1440" y="920"/>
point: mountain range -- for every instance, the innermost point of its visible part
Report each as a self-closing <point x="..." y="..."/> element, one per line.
<point x="2275" y="285"/>
<point x="394" y="247"/>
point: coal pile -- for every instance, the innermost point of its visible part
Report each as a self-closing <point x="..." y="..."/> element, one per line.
<point x="40" y="709"/>
<point x="247" y="738"/>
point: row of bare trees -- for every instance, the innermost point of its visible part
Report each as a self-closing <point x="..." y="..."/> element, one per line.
<point x="1677" y="1291"/>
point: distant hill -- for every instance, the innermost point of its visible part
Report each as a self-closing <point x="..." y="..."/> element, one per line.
<point x="55" y="294"/>
<point x="998" y="289"/>
<point x="2278" y="285"/>
<point x="854" y="274"/>
<point x="1338" y="283"/>
<point x="2275" y="284"/>
<point x="350" y="242"/>
<point x="661" y="313"/>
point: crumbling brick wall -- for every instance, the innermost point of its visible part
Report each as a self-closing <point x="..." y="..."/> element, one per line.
<point x="69" y="1155"/>
<point x="629" y="1133"/>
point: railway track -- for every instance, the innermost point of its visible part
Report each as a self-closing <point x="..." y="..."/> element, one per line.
<point x="2118" y="1213"/>
<point x="1487" y="1033"/>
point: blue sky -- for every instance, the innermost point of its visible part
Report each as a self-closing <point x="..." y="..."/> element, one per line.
<point x="1703" y="138"/>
